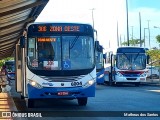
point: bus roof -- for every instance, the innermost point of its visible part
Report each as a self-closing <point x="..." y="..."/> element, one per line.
<point x="129" y="49"/>
<point x="67" y="23"/>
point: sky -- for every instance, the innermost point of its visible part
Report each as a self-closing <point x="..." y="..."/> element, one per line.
<point x="107" y="15"/>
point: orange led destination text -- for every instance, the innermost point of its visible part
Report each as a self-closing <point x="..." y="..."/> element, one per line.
<point x="71" y="28"/>
<point x="42" y="28"/>
<point x="59" y="28"/>
<point x="46" y="39"/>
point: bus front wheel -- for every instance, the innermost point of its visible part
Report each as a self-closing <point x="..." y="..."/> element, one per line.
<point x="82" y="101"/>
<point x="30" y="103"/>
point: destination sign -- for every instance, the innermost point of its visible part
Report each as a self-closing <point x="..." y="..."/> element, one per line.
<point x="60" y="28"/>
<point x="46" y="29"/>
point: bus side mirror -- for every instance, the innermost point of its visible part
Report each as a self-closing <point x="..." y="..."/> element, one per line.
<point x="96" y="45"/>
<point x="148" y="59"/>
<point x="105" y="58"/>
<point x="22" y="41"/>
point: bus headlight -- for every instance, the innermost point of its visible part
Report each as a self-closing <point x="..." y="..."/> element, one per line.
<point x="143" y="75"/>
<point x="35" y="84"/>
<point x="100" y="76"/>
<point x="88" y="83"/>
<point x="119" y="74"/>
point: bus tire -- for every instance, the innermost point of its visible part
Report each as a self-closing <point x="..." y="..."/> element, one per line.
<point x="82" y="101"/>
<point x="137" y="84"/>
<point x="30" y="103"/>
<point x="22" y="97"/>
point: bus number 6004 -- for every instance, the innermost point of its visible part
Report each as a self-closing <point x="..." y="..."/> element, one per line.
<point x="76" y="83"/>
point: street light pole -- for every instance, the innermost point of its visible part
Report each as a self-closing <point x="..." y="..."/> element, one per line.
<point x="149" y="34"/>
<point x="140" y="29"/>
<point x="127" y="22"/>
<point x="132" y="32"/>
<point x="117" y="35"/>
<point x="120" y="40"/>
<point x="92" y="17"/>
<point x="145" y="37"/>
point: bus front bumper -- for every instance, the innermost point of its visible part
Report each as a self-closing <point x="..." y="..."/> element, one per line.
<point x="60" y="92"/>
<point x="131" y="79"/>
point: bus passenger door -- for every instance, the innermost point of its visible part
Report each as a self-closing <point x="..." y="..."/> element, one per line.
<point x="113" y="72"/>
<point x="18" y="77"/>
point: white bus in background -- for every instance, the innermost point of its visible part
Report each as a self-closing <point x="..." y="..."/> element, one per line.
<point x="128" y="65"/>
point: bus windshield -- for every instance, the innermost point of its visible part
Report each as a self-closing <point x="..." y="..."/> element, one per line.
<point x="131" y="61"/>
<point x="60" y="52"/>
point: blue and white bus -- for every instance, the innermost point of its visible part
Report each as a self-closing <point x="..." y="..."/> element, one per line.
<point x="56" y="60"/>
<point x="128" y="66"/>
<point x="10" y="69"/>
<point x="99" y="63"/>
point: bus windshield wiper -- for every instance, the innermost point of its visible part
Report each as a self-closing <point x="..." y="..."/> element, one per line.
<point x="126" y="56"/>
<point x="136" y="57"/>
<point x="73" y="42"/>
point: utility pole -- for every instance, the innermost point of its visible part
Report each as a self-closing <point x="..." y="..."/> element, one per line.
<point x="145" y="38"/>
<point x="120" y="40"/>
<point x="140" y="29"/>
<point x="132" y="32"/>
<point x="117" y="35"/>
<point x="149" y="34"/>
<point x="92" y="17"/>
<point x="127" y="22"/>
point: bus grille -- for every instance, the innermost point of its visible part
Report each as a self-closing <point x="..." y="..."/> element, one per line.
<point x="62" y="79"/>
<point x="131" y="78"/>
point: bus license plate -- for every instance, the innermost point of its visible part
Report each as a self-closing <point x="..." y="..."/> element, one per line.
<point x="63" y="93"/>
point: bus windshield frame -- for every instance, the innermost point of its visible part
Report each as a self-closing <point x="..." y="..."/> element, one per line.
<point x="69" y="52"/>
<point x="131" y="61"/>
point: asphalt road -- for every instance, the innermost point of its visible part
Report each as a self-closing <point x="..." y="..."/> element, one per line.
<point x="123" y="102"/>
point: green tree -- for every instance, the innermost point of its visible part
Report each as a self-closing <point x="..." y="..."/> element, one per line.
<point x="158" y="38"/>
<point x="154" y="56"/>
<point x="134" y="42"/>
<point x="2" y="62"/>
<point x="155" y="53"/>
